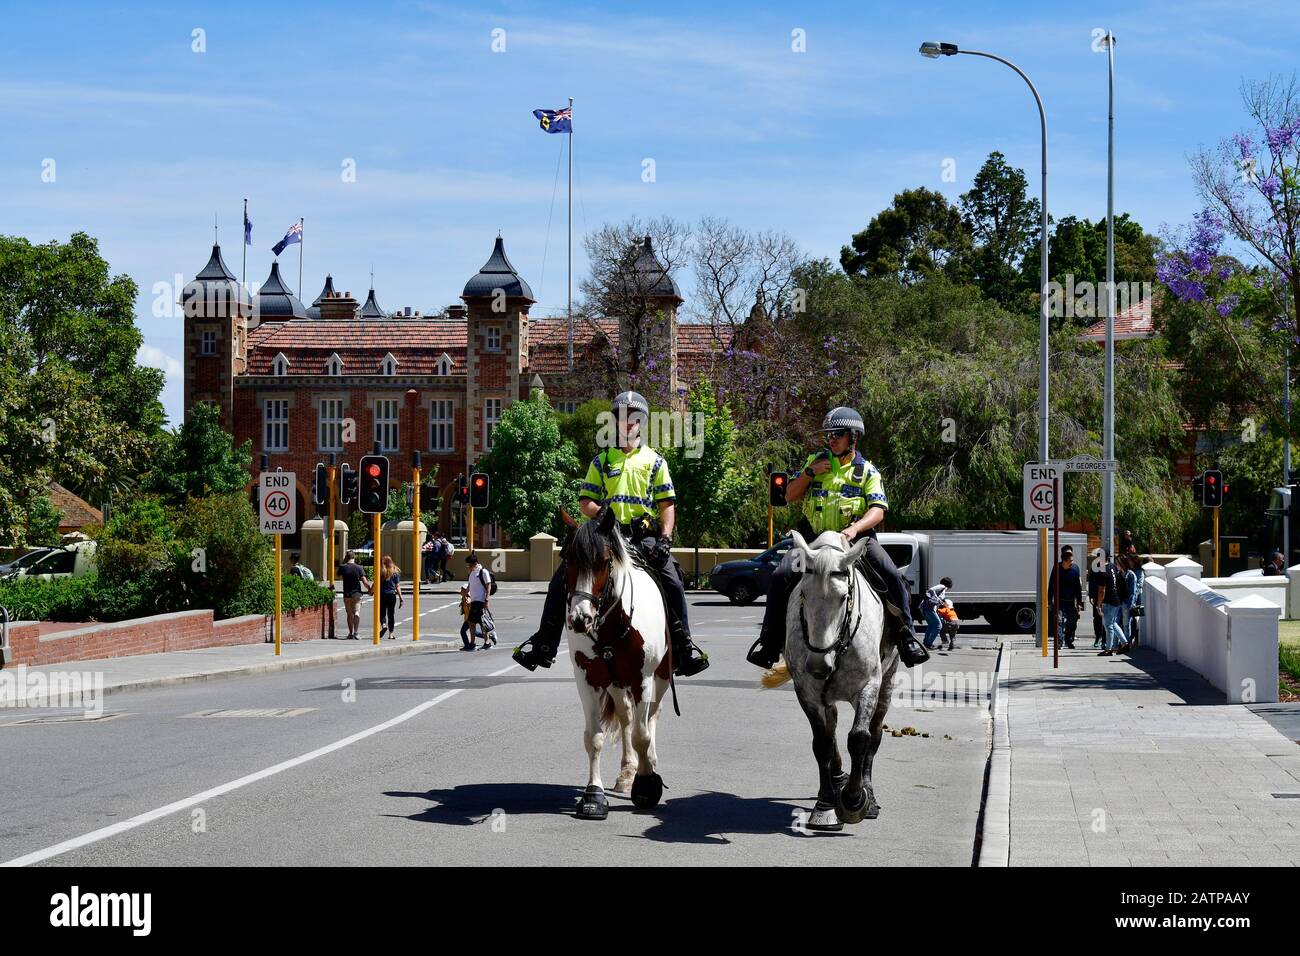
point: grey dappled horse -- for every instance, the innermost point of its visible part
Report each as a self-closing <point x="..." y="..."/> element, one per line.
<point x="835" y="650"/>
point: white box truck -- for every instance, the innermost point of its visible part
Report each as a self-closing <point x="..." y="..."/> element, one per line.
<point x="994" y="573"/>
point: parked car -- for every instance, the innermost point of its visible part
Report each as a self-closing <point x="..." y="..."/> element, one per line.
<point x="70" y="561"/>
<point x="745" y="580"/>
<point x="12" y="568"/>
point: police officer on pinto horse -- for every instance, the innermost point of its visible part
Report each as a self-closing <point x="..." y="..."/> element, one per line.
<point x="847" y="495"/>
<point x="633" y="481"/>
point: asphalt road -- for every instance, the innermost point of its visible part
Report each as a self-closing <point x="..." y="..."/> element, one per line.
<point x="452" y="757"/>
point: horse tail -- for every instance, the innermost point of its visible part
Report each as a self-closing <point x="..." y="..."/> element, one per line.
<point x="608" y="715"/>
<point x="777" y="676"/>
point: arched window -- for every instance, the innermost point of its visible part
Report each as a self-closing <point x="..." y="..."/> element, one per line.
<point x="390" y="364"/>
<point x="335" y="365"/>
<point x="444" y="364"/>
<point x="280" y="366"/>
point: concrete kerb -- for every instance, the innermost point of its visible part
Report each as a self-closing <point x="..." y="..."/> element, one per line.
<point x="273" y="666"/>
<point x="994" y="831"/>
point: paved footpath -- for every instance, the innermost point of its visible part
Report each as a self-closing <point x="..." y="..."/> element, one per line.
<point x="1131" y="760"/>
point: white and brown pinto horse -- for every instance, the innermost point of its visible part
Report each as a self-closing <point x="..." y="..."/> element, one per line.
<point x="618" y="639"/>
<point x="835" y="650"/>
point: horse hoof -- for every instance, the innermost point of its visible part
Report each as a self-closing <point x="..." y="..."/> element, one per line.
<point x="592" y="805"/>
<point x="851" y="813"/>
<point x="623" y="784"/>
<point x="647" y="791"/>
<point x="823" y="819"/>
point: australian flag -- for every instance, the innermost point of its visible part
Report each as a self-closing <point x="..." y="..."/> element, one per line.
<point x="293" y="235"/>
<point x="555" y="121"/>
<point x="248" y="230"/>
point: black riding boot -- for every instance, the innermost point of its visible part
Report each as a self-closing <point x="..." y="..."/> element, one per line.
<point x="546" y="641"/>
<point x="767" y="649"/>
<point x="688" y="659"/>
<point x="910" y="650"/>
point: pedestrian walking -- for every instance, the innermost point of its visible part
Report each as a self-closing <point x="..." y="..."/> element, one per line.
<point x="948" y="629"/>
<point x="355" y="583"/>
<point x="478" y="588"/>
<point x="445" y="553"/>
<point x="1096" y="575"/>
<point x="1113" y="595"/>
<point x="1133" y="608"/>
<point x="429" y="558"/>
<point x="390" y="596"/>
<point x="1071" y="596"/>
<point x="930" y="605"/>
<point x="299" y="570"/>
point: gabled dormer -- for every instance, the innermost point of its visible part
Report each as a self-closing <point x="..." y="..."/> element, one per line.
<point x="280" y="365"/>
<point x="444" y="365"/>
<point x="334" y="364"/>
<point x="389" y="365"/>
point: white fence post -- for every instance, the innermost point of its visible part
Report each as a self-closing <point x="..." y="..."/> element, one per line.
<point x="1252" y="651"/>
<point x="1147" y="627"/>
<point x="1178" y="612"/>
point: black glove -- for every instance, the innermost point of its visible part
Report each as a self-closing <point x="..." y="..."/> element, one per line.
<point x="663" y="552"/>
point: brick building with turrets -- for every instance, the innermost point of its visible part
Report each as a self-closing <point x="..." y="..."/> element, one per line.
<point x="303" y="382"/>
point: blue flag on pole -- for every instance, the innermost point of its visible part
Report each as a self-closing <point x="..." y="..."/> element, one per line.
<point x="293" y="235"/>
<point x="248" y="230"/>
<point x="555" y="121"/>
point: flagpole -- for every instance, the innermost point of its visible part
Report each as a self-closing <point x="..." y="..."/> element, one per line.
<point x="243" y="279"/>
<point x="302" y="232"/>
<point x="570" y="233"/>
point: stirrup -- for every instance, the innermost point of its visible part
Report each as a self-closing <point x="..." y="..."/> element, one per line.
<point x="530" y="657"/>
<point x="759" y="656"/>
<point x="690" y="663"/>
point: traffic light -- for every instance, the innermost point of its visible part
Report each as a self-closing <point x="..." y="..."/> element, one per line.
<point x="462" y="490"/>
<point x="320" y="488"/>
<point x="1198" y="493"/>
<point x="347" y="484"/>
<point x="1227" y="492"/>
<point x="776" y="487"/>
<point x="374" y="485"/>
<point x="1212" y="488"/>
<point x="478" y="490"/>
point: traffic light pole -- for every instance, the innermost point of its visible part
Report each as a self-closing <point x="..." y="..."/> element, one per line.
<point x="1215" y="542"/>
<point x="415" y="554"/>
<point x="769" y="524"/>
<point x="375" y="589"/>
<point x="330" y="556"/>
<point x="469" y="538"/>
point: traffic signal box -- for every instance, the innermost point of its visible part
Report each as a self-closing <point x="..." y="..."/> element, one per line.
<point x="374" y="485"/>
<point x="777" y="483"/>
<point x="478" y="490"/>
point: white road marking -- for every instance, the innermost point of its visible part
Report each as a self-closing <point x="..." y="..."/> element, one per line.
<point x="504" y="670"/>
<point x="140" y="820"/>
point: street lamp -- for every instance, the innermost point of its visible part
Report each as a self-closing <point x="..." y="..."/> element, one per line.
<point x="933" y="51"/>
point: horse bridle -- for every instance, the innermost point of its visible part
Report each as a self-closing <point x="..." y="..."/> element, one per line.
<point x="604" y="606"/>
<point x="848" y="627"/>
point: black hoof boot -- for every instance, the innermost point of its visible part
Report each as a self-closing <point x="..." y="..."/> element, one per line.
<point x="538" y="655"/>
<point x="647" y="791"/>
<point x="851" y="813"/>
<point x="592" y="805"/>
<point x="760" y="656"/>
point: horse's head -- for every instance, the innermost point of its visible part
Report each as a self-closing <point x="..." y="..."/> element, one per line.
<point x="591" y="559"/>
<point x="824" y="594"/>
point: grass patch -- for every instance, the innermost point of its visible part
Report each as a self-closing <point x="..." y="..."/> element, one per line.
<point x="1288" y="672"/>
<point x="1288" y="632"/>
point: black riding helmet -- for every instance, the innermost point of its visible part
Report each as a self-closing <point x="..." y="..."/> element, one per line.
<point x="844" y="417"/>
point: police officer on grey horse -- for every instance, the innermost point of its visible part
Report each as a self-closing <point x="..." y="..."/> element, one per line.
<point x="847" y="495"/>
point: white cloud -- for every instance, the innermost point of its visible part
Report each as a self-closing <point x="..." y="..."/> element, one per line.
<point x="156" y="358"/>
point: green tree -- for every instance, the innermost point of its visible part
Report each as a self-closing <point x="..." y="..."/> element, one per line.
<point x="709" y="481"/>
<point x="1077" y="248"/>
<point x="529" y="468"/>
<point x="1004" y="224"/>
<point x="199" y="459"/>
<point x="76" y="407"/>
<point x="919" y="235"/>
<point x="580" y="428"/>
<point x="43" y="523"/>
<point x="219" y="553"/>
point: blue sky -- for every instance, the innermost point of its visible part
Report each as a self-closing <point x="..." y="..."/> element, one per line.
<point x="150" y="138"/>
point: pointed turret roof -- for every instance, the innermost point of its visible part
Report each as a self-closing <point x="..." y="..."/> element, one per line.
<point x="325" y="293"/>
<point x="497" y="273"/>
<point x="218" y="285"/>
<point x="371" y="309"/>
<point x="649" y="277"/>
<point x="275" y="301"/>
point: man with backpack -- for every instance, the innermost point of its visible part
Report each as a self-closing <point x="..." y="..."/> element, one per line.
<point x="479" y="587"/>
<point x="1112" y="595"/>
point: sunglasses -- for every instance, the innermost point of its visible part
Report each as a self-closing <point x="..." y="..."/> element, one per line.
<point x="837" y="433"/>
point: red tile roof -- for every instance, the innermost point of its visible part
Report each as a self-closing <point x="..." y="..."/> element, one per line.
<point x="76" y="513"/>
<point x="1135" y="322"/>
<point x="417" y="344"/>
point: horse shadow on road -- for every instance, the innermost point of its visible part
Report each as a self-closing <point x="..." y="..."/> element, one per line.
<point x="708" y="817"/>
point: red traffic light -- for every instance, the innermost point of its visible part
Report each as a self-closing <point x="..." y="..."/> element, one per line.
<point x="1210" y="479"/>
<point x="372" y="470"/>
<point x="778" y="479"/>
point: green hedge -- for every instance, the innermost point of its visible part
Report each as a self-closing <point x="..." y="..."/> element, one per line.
<point x="90" y="598"/>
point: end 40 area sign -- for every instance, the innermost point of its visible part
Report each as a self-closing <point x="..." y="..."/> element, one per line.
<point x="1043" y="499"/>
<point x="278" y="503"/>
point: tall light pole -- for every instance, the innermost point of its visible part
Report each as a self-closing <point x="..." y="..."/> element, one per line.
<point x="1108" y="433"/>
<point x="934" y="51"/>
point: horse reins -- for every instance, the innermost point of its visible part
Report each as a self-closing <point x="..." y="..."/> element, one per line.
<point x="848" y="628"/>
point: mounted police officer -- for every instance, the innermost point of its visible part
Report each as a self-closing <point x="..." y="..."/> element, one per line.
<point x="633" y="481"/>
<point x="848" y="496"/>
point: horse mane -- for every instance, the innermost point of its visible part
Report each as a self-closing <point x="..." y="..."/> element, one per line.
<point x="589" y="544"/>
